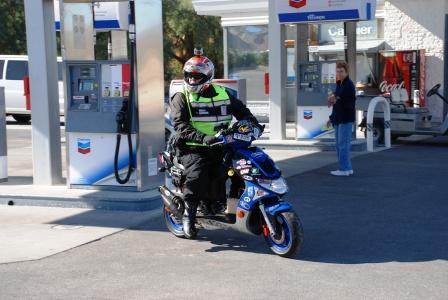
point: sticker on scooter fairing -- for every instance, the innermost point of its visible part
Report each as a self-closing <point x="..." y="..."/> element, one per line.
<point x="242" y="162"/>
<point x="257" y="154"/>
<point x="245" y="205"/>
<point x="250" y="191"/>
<point x="243" y="128"/>
<point x="255" y="171"/>
<point x="241" y="137"/>
<point x="244" y="171"/>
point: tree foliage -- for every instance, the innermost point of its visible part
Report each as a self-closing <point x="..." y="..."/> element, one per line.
<point x="12" y="27"/>
<point x="183" y="31"/>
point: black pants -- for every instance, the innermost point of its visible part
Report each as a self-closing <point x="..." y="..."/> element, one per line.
<point x="202" y="168"/>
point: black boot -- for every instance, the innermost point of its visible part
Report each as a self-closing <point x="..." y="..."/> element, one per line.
<point x="188" y="221"/>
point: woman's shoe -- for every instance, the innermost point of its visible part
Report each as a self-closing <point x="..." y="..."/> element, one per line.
<point x="340" y="173"/>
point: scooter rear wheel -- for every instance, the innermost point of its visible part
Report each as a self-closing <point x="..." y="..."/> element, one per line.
<point x="174" y="225"/>
<point x="289" y="236"/>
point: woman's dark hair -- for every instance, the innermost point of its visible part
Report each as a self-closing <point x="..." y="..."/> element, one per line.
<point x="342" y="65"/>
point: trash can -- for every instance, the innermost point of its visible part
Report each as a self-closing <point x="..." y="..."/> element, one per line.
<point x="3" y="148"/>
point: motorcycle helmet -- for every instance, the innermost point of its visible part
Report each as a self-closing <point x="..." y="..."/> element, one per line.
<point x="199" y="72"/>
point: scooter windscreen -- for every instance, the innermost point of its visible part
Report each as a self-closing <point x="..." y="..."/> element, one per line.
<point x="242" y="134"/>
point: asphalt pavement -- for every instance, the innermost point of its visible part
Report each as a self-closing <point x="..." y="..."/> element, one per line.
<point x="381" y="234"/>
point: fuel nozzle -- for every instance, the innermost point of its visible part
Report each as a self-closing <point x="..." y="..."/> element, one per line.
<point x="120" y="118"/>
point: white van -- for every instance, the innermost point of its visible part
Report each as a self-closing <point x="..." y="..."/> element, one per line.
<point x="13" y="68"/>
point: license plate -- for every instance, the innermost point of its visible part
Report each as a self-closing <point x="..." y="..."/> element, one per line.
<point x="241" y="137"/>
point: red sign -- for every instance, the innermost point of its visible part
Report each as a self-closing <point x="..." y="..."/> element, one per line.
<point x="297" y="3"/>
<point x="126" y="79"/>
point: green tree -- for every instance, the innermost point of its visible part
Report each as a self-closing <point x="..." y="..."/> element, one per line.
<point x="12" y="27"/>
<point x="183" y="31"/>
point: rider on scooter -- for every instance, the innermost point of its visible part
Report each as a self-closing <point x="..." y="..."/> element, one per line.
<point x="198" y="113"/>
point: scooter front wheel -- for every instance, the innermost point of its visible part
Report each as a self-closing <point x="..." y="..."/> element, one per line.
<point x="289" y="234"/>
<point x="174" y="225"/>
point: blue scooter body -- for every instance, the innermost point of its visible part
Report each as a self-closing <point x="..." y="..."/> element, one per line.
<point x="259" y="209"/>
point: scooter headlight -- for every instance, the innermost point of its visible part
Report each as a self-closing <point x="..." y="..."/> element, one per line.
<point x="277" y="186"/>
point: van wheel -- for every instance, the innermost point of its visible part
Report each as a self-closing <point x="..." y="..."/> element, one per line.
<point x="22" y="119"/>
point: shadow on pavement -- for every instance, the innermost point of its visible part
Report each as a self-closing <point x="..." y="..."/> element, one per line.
<point x="230" y="241"/>
<point x="15" y="180"/>
<point x="105" y="219"/>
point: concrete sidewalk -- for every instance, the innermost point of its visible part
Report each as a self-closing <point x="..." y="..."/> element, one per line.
<point x="30" y="233"/>
<point x="21" y="191"/>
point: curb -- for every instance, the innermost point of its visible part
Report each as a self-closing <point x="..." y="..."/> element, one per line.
<point x="147" y="203"/>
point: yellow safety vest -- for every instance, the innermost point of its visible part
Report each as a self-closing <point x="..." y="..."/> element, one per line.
<point x="207" y="115"/>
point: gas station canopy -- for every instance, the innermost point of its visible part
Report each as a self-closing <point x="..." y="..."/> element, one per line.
<point x="108" y="15"/>
<point x="308" y="11"/>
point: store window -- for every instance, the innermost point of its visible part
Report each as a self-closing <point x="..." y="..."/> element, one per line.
<point x="248" y="58"/>
<point x="327" y="44"/>
<point x="16" y="69"/>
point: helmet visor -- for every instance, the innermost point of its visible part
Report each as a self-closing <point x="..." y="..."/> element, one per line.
<point x="195" y="79"/>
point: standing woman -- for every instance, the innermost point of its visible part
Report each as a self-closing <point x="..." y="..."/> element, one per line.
<point x="343" y="118"/>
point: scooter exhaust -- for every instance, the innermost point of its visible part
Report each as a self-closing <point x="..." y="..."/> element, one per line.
<point x="173" y="202"/>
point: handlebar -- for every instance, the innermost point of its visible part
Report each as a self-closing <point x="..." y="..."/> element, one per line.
<point x="227" y="136"/>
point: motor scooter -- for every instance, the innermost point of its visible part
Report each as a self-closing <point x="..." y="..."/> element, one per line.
<point x="253" y="204"/>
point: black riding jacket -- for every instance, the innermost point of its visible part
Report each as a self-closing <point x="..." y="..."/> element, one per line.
<point x="180" y="115"/>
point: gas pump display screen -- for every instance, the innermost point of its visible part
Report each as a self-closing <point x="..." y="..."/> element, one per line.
<point x="309" y="77"/>
<point x="86" y="85"/>
<point x="87" y="72"/>
<point x="311" y="68"/>
<point x="83" y="90"/>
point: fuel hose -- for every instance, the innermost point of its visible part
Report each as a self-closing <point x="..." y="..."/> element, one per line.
<point x="124" y="117"/>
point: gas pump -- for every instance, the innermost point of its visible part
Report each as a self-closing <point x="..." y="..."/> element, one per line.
<point x="316" y="81"/>
<point x="114" y="108"/>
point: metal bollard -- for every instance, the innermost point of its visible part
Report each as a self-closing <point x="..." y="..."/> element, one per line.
<point x="370" y="112"/>
<point x="3" y="145"/>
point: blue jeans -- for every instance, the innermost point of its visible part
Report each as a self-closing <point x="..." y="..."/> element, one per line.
<point x="343" y="133"/>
